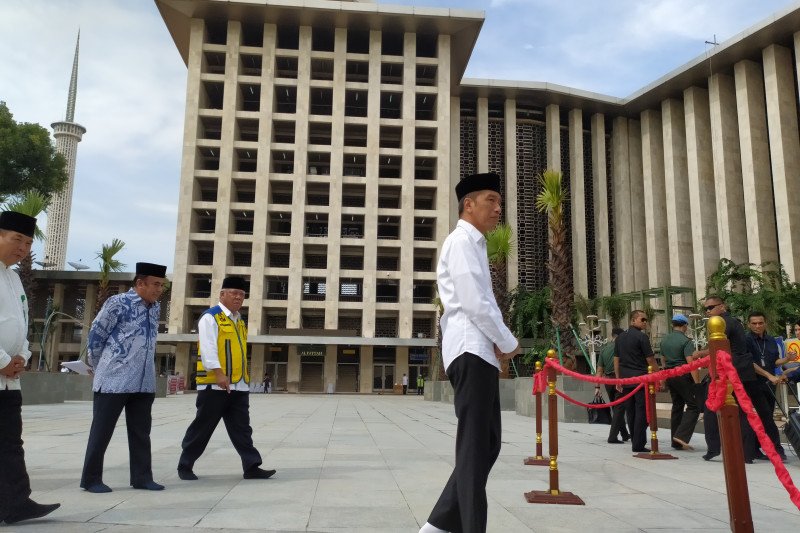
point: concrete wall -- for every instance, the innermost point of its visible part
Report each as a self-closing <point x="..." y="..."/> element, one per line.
<point x="50" y="387"/>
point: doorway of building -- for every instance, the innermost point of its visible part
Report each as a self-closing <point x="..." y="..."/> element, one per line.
<point x="383" y="377"/>
<point x="277" y="373"/>
<point x="311" y="376"/>
<point x="415" y="371"/>
<point x="347" y="369"/>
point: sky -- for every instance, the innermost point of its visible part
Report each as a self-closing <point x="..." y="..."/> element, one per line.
<point x="132" y="83"/>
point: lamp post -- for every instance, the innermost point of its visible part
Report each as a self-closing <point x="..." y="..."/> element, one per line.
<point x="45" y="332"/>
<point x="593" y="339"/>
<point x="697" y="325"/>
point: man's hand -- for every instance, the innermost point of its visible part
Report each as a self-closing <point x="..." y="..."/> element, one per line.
<point x="619" y="387"/>
<point x="13" y="369"/>
<point x="506" y="356"/>
<point x="222" y="380"/>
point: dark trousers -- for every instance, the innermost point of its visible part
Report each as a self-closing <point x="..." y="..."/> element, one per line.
<point x="770" y="393"/>
<point x="462" y="506"/>
<point x="682" y="422"/>
<point x="758" y="395"/>
<point x="138" y="420"/>
<point x="420" y="390"/>
<point x="636" y="414"/>
<point x="234" y="410"/>
<point x="15" y="486"/>
<point x="405" y="389"/>
<point x="749" y="441"/>
<point x="618" y="426"/>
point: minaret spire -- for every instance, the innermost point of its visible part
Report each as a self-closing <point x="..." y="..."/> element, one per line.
<point x="68" y="134"/>
<point x="73" y="83"/>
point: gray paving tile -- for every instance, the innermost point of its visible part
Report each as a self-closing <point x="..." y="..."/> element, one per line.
<point x="374" y="464"/>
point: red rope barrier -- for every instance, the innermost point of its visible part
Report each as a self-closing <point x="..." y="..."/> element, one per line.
<point x="726" y="369"/>
<point x="540" y="380"/>
<point x="599" y="405"/>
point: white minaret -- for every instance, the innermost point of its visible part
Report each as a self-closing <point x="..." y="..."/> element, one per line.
<point x="68" y="134"/>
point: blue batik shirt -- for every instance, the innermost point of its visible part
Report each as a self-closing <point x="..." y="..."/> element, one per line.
<point x="122" y="345"/>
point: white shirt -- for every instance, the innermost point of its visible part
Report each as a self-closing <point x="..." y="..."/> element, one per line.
<point x="13" y="323"/>
<point x="405" y="380"/>
<point x="471" y="322"/>
<point x="208" y="334"/>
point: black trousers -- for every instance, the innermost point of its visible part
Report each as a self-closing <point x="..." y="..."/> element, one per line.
<point x="636" y="414"/>
<point x="618" y="425"/>
<point x="138" y="421"/>
<point x="212" y="406"/>
<point x="15" y="486"/>
<point x="685" y="410"/>
<point x="462" y="506"/>
<point x="750" y="445"/>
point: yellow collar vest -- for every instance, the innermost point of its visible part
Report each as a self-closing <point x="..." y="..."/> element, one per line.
<point x="231" y="349"/>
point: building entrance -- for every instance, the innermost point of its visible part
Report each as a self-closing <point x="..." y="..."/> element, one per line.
<point x="347" y="369"/>
<point x="383" y="377"/>
<point x="312" y="368"/>
<point x="277" y="373"/>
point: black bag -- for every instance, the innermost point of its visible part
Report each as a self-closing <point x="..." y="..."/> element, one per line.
<point x="599" y="416"/>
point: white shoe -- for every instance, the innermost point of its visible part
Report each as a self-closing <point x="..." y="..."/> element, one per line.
<point x="428" y="528"/>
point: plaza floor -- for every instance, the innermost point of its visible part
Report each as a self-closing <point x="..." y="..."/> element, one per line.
<point x="375" y="464"/>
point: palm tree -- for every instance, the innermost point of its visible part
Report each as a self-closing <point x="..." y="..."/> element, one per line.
<point x="616" y="307"/>
<point x="499" y="244"/>
<point x="551" y="200"/>
<point x="33" y="204"/>
<point x="108" y="265"/>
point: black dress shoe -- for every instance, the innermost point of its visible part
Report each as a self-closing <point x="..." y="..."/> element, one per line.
<point x="30" y="510"/>
<point x="710" y="455"/>
<point x="626" y="438"/>
<point x="614" y="441"/>
<point x="258" y="473"/>
<point x="148" y="485"/>
<point x="761" y="456"/>
<point x="186" y="474"/>
<point x="97" y="488"/>
<point x="642" y="450"/>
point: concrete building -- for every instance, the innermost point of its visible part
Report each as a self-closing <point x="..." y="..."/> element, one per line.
<point x="323" y="139"/>
<point x="68" y="134"/>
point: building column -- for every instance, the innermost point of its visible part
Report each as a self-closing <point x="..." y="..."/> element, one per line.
<point x="637" y="212"/>
<point x="655" y="199"/>
<point x="580" y="265"/>
<point x="400" y="364"/>
<point x="702" y="200"/>
<point x="330" y="370"/>
<point x="483" y="134"/>
<point x="623" y="232"/>
<point x="257" y="363"/>
<point x="90" y="299"/>
<point x="728" y="188"/>
<point x="510" y="194"/>
<point x="676" y="186"/>
<point x="455" y="163"/>
<point x="553" y="137"/>
<point x="183" y="361"/>
<point x="784" y="142"/>
<point x="600" y="197"/>
<point x="293" y="369"/>
<point x="366" y="371"/>
<point x="762" y="242"/>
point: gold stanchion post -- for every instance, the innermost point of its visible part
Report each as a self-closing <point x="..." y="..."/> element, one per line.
<point x="653" y="454"/>
<point x="538" y="459"/>
<point x="554" y="495"/>
<point x="730" y="433"/>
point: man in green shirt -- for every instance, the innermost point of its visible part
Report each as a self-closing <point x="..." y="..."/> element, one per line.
<point x="605" y="368"/>
<point x="677" y="349"/>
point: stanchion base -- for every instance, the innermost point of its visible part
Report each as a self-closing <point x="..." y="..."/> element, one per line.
<point x="654" y="456"/>
<point x="544" y="496"/>
<point x="537" y="461"/>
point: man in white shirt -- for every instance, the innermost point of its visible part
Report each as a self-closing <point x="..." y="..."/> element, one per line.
<point x="223" y="385"/>
<point x="16" y="237"/>
<point x="474" y="342"/>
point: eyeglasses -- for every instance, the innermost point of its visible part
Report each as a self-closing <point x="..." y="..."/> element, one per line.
<point x="710" y="307"/>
